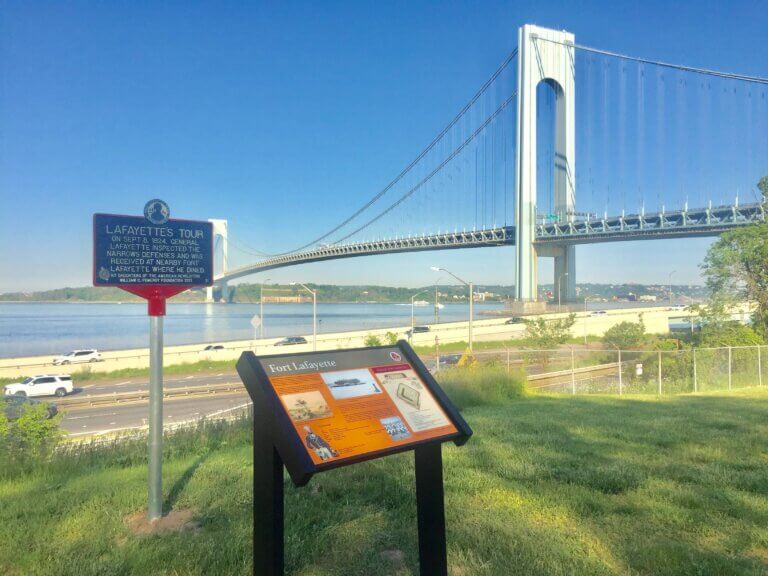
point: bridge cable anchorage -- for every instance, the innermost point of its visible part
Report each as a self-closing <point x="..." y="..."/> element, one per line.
<point x="681" y="67"/>
<point x="427" y="178"/>
<point x="423" y="153"/>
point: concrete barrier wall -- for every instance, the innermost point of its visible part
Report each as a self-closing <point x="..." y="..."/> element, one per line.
<point x="488" y="329"/>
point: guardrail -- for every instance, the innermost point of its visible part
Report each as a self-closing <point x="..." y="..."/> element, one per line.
<point x="143" y="395"/>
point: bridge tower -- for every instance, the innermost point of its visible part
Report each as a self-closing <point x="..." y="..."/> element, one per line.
<point x="220" y="240"/>
<point x="545" y="55"/>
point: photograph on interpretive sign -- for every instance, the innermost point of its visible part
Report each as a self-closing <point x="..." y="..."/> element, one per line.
<point x="350" y="383"/>
<point x="306" y="406"/>
<point x="345" y="404"/>
<point x="395" y="428"/>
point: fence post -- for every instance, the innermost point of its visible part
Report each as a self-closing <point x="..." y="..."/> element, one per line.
<point x="695" y="374"/>
<point x="759" y="367"/>
<point x="659" y="372"/>
<point x="507" y="360"/>
<point x="621" y="383"/>
<point x="437" y="354"/>
<point x="573" y="373"/>
<point x="730" y="370"/>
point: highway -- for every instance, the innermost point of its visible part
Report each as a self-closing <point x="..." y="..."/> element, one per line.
<point x="102" y="419"/>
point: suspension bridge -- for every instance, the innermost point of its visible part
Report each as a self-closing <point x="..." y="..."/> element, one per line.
<point x="503" y="171"/>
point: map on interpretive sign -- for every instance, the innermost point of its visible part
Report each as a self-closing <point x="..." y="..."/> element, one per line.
<point x="350" y="403"/>
<point x="132" y="251"/>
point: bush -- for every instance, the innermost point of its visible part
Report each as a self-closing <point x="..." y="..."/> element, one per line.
<point x="372" y="340"/>
<point x="391" y="337"/>
<point x="30" y="439"/>
<point x="481" y="386"/>
<point x="625" y="335"/>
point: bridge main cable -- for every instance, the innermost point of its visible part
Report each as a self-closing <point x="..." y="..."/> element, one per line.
<point x="405" y="170"/>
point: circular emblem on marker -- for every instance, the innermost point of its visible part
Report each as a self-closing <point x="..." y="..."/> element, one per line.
<point x="157" y="211"/>
<point x="395" y="356"/>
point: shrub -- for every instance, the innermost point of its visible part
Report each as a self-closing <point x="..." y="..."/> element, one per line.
<point x="391" y="337"/>
<point x="481" y="386"/>
<point x="372" y="340"/>
<point x="625" y="335"/>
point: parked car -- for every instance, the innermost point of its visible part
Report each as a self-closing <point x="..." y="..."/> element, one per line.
<point x="291" y="341"/>
<point x="42" y="385"/>
<point x="77" y="356"/>
<point x="417" y="330"/>
<point x="598" y="313"/>
<point x="212" y="347"/>
<point x="14" y="407"/>
<point x="449" y="360"/>
<point x="515" y="320"/>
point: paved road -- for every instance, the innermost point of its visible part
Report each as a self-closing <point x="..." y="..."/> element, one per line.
<point x="142" y="383"/>
<point x="102" y="419"/>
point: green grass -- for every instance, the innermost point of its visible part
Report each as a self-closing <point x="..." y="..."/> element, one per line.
<point x="548" y="485"/>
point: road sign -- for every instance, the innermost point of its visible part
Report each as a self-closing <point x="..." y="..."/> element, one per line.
<point x="256" y="321"/>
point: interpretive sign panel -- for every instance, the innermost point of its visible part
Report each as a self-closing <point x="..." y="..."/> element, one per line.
<point x="346" y="406"/>
<point x="132" y="251"/>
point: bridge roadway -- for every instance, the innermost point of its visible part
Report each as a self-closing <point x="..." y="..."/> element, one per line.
<point x="686" y="223"/>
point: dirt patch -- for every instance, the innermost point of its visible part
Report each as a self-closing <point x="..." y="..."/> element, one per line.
<point x="175" y="521"/>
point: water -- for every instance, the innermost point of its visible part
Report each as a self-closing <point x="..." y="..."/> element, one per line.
<point x="32" y="329"/>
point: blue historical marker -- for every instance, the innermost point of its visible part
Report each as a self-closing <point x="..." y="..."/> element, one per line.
<point x="133" y="251"/>
<point x="156" y="258"/>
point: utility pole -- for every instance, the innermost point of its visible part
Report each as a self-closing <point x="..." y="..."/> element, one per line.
<point x="471" y="287"/>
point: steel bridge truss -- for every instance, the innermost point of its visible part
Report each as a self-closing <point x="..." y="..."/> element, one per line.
<point x="679" y="224"/>
<point x="709" y="221"/>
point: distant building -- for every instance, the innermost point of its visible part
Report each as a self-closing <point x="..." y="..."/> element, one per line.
<point x="648" y="298"/>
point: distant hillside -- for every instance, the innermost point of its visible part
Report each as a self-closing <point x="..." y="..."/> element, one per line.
<point x="248" y="293"/>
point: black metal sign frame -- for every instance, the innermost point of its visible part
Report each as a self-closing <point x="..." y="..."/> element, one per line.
<point x="276" y="444"/>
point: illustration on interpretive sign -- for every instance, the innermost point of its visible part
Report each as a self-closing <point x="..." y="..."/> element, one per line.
<point x="395" y="428"/>
<point x="306" y="406"/>
<point x="318" y="445"/>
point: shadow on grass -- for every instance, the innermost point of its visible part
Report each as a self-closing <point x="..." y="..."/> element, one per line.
<point x="181" y="483"/>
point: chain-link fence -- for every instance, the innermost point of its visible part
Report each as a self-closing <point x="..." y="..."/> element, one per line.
<point x="613" y="371"/>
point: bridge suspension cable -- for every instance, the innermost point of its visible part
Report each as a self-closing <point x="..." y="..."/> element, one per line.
<point x="409" y="168"/>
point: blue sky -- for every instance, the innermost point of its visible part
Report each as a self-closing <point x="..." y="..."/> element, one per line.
<point x="284" y="117"/>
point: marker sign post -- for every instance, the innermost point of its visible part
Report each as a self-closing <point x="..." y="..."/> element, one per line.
<point x="318" y="411"/>
<point x="156" y="258"/>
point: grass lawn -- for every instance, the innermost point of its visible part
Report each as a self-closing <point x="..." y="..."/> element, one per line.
<point x="548" y="485"/>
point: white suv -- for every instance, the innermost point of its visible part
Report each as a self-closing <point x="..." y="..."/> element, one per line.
<point x="43" y="385"/>
<point x="77" y="356"/>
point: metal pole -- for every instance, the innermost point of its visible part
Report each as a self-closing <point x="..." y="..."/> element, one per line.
<point x="573" y="374"/>
<point x="437" y="354"/>
<point x="730" y="371"/>
<point x="314" y="320"/>
<point x="759" y="367"/>
<point x="261" y="312"/>
<point x="471" y="312"/>
<point x="412" y="320"/>
<point x="155" y="510"/>
<point x="695" y="373"/>
<point x="659" y="372"/>
<point x="621" y="383"/>
<point x="585" y="319"/>
<point x="507" y="360"/>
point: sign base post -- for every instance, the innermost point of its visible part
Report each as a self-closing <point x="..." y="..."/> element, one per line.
<point x="155" y="508"/>
<point x="430" y="510"/>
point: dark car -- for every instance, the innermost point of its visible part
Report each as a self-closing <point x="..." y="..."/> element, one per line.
<point x="515" y="320"/>
<point x="450" y="359"/>
<point x="14" y="406"/>
<point x="417" y="330"/>
<point x="291" y="341"/>
<point x="211" y="347"/>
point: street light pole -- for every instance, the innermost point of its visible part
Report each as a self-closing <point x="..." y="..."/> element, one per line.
<point x="670" y="285"/>
<point x="471" y="287"/>
<point x="586" y="298"/>
<point x="314" y="312"/>
<point x="261" y="309"/>
<point x="413" y="322"/>
<point x="560" y="289"/>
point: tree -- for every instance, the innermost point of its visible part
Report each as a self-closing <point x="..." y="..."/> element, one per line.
<point x="544" y="333"/>
<point x="625" y="335"/>
<point x="372" y="340"/>
<point x="763" y="186"/>
<point x="736" y="270"/>
<point x="390" y="338"/>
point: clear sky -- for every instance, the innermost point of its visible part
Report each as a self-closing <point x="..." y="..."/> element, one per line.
<point x="283" y="117"/>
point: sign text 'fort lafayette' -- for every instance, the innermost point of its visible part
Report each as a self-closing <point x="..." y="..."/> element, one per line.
<point x="129" y="250"/>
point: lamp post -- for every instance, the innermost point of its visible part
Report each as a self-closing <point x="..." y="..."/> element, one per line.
<point x="413" y="322"/>
<point x="586" y="299"/>
<point x="261" y="308"/>
<point x="560" y="289"/>
<point x="314" y="312"/>
<point x="670" y="285"/>
<point x="471" y="287"/>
